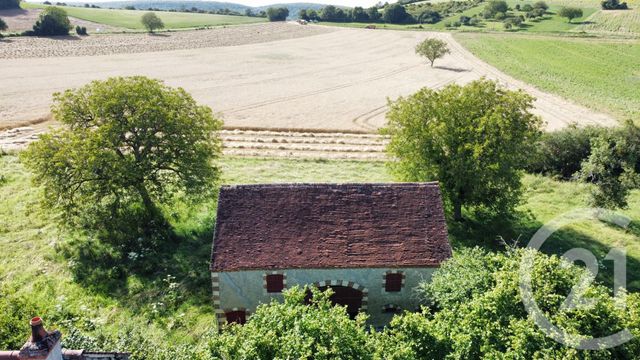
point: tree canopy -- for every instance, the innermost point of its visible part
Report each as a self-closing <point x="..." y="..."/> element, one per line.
<point x="128" y="145"/>
<point x="474" y="139"/>
<point x="613" y="166"/>
<point x="570" y="13"/>
<point x="432" y="49"/>
<point x="151" y="22"/>
<point x="395" y="14"/>
<point x="277" y="14"/>
<point x="51" y="22"/>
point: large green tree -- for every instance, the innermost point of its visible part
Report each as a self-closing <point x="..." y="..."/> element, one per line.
<point x="128" y="146"/>
<point x="474" y="139"/>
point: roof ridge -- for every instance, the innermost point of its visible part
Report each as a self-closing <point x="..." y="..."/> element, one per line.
<point x="310" y="185"/>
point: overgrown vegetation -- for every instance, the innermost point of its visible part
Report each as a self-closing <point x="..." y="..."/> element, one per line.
<point x="277" y="14"/>
<point x="129" y="151"/>
<point x="52" y="21"/>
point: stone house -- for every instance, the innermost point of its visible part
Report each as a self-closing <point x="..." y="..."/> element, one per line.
<point x="371" y="243"/>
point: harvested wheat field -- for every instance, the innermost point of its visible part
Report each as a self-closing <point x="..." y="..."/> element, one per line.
<point x="265" y="76"/>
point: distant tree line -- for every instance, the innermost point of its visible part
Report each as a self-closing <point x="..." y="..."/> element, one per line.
<point x="402" y="12"/>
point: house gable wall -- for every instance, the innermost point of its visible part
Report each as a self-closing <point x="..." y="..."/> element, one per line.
<point x="245" y="289"/>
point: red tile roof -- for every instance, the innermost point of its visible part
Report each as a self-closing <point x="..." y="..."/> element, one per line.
<point x="316" y="226"/>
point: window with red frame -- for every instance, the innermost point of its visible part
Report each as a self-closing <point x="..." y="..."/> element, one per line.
<point x="275" y="283"/>
<point x="393" y="282"/>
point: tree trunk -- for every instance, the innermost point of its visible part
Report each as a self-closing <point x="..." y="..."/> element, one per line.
<point x="457" y="210"/>
<point x="432" y="63"/>
<point x="149" y="205"/>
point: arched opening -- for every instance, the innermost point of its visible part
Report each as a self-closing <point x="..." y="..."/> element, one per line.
<point x="343" y="296"/>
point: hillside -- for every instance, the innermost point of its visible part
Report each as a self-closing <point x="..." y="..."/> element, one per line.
<point x="177" y="5"/>
<point x="130" y="19"/>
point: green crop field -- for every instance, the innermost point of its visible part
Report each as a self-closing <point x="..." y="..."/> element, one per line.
<point x="621" y="22"/>
<point x="601" y="74"/>
<point x="130" y="19"/>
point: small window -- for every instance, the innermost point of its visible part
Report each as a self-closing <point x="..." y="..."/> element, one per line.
<point x="275" y="283"/>
<point x="236" y="317"/>
<point x="393" y="282"/>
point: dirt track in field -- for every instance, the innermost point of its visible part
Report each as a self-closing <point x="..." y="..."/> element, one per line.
<point x="322" y="78"/>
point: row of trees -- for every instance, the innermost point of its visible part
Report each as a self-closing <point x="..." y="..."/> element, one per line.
<point x="391" y="14"/>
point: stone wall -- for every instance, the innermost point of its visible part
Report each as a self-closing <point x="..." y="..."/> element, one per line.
<point x="245" y="290"/>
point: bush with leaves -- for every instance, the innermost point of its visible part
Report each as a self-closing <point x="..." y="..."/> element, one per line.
<point x="570" y="13"/>
<point x="494" y="7"/>
<point x="613" y="166"/>
<point x="129" y="146"/>
<point x="482" y="315"/>
<point x="614" y="5"/>
<point x="396" y="14"/>
<point x="52" y="21"/>
<point x="295" y="330"/>
<point x="277" y="14"/>
<point x="541" y="5"/>
<point x="560" y="153"/>
<point x="474" y="139"/>
<point x="429" y="17"/>
<point x="81" y="30"/>
<point x="151" y="22"/>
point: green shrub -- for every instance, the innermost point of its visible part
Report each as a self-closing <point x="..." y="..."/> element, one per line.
<point x="527" y="7"/>
<point x="570" y="13"/>
<point x="560" y="153"/>
<point x="294" y="330"/>
<point x="541" y="5"/>
<point x="500" y="16"/>
<point x="53" y="21"/>
<point x="81" y="30"/>
<point x="277" y="14"/>
<point x="494" y="7"/>
<point x="614" y="5"/>
<point x="613" y="167"/>
<point x="482" y="314"/>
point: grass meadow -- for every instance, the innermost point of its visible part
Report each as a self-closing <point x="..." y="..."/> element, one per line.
<point x="601" y="74"/>
<point x="32" y="266"/>
<point x="130" y="19"/>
